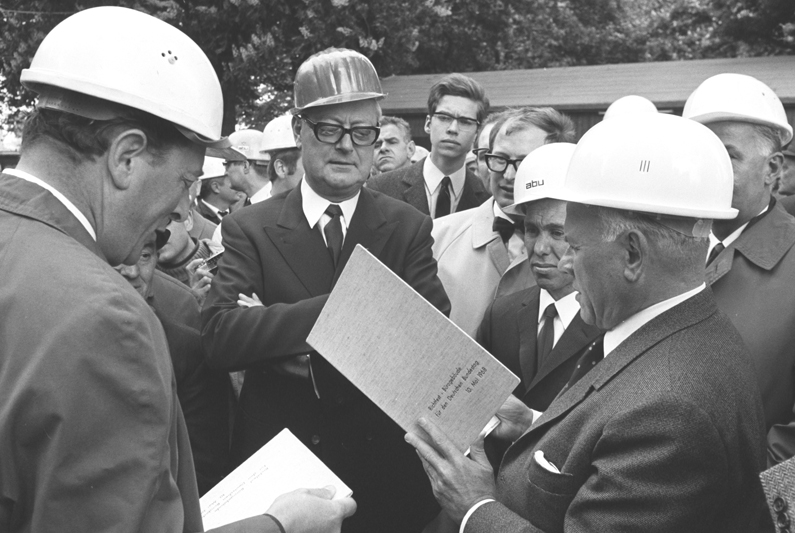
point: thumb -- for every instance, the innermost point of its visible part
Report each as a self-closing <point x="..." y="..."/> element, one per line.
<point x="326" y="492"/>
<point x="478" y="454"/>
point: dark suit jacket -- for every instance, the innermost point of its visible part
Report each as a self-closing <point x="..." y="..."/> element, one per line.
<point x="509" y="331"/>
<point x="407" y="184"/>
<point x="272" y="251"/>
<point x="666" y="434"/>
<point x="207" y="213"/>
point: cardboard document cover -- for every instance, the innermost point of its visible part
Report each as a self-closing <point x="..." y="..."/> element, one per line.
<point x="282" y="465"/>
<point x="405" y="355"/>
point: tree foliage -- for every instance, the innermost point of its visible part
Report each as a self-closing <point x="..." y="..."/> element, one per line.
<point x="256" y="45"/>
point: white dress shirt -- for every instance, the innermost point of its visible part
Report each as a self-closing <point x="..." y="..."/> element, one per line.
<point x="567" y="307"/>
<point x="55" y="192"/>
<point x="433" y="184"/>
<point x="263" y="194"/>
<point x="621" y="332"/>
<point x="714" y="241"/>
<point x="315" y="206"/>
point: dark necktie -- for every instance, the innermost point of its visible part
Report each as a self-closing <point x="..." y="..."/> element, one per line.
<point x="443" y="200"/>
<point x="222" y="214"/>
<point x="333" y="232"/>
<point x="247" y="202"/>
<point x="592" y="355"/>
<point x="504" y="227"/>
<point x="546" y="337"/>
<point x="715" y="252"/>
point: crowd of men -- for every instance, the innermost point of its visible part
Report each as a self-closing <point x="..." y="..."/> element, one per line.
<point x="161" y="282"/>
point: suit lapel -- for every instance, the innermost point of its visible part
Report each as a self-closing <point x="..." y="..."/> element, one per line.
<point x="468" y="198"/>
<point x="571" y="343"/>
<point x="527" y="324"/>
<point x="683" y="315"/>
<point x="484" y="235"/>
<point x="302" y="247"/>
<point x="415" y="187"/>
<point x="368" y="227"/>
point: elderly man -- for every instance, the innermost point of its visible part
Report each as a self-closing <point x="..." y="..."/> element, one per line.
<point x="91" y="434"/>
<point x="480" y="251"/>
<point x="538" y="333"/>
<point x="482" y="146"/>
<point x="394" y="146"/>
<point x="751" y="265"/>
<point x="288" y="251"/>
<point x="440" y="184"/>
<point x="666" y="433"/>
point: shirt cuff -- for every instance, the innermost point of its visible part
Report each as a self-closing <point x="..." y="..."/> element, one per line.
<point x="471" y="511"/>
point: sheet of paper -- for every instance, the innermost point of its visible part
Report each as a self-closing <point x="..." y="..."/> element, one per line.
<point x="282" y="465"/>
<point x="405" y="355"/>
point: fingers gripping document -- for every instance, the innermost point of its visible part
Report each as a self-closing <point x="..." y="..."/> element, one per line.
<point x="282" y="465"/>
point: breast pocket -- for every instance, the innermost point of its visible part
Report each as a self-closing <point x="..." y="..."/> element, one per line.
<point x="550" y="494"/>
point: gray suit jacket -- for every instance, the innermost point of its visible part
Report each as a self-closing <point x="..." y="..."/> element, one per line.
<point x="407" y="184"/>
<point x="666" y="434"/>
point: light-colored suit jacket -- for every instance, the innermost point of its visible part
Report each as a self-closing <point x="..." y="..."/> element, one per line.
<point x="474" y="265"/>
<point x="666" y="434"/>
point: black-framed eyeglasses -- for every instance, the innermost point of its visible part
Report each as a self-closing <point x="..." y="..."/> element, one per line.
<point x="479" y="152"/>
<point x="498" y="163"/>
<point x="464" y="123"/>
<point x="328" y="133"/>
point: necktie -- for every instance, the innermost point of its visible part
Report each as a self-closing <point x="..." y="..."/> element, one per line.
<point x="715" y="252"/>
<point x="592" y="355"/>
<point x="443" y="200"/>
<point x="247" y="202"/>
<point x="546" y="337"/>
<point x="333" y="232"/>
<point x="504" y="227"/>
<point x="222" y="214"/>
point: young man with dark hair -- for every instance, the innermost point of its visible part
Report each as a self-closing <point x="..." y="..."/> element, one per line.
<point x="440" y="184"/>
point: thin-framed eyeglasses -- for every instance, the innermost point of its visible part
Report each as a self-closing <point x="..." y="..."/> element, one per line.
<point x="328" y="133"/>
<point x="464" y="123"/>
<point x="498" y="163"/>
<point x="228" y="163"/>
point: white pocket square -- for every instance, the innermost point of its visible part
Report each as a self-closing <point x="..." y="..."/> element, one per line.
<point x="542" y="461"/>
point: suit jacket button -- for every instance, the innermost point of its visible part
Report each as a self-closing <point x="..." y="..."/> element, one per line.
<point x="315" y="439"/>
<point x="779" y="504"/>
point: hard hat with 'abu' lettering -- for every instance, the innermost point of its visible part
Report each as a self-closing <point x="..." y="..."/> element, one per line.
<point x="335" y="76"/>
<point x="653" y="163"/>
<point x="100" y="60"/>
<point x="278" y="134"/>
<point x="737" y="97"/>
<point x="540" y="175"/>
<point x="629" y="105"/>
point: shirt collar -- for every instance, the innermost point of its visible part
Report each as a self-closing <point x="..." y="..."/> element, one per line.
<point x="55" y="192"/>
<point x="209" y="206"/>
<point x="713" y="240"/>
<point x="263" y="194"/>
<point x="567" y="307"/>
<point x="499" y="213"/>
<point x="434" y="176"/>
<point x="315" y="206"/>
<point x="620" y="333"/>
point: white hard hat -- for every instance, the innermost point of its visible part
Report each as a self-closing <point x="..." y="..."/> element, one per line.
<point x="213" y="167"/>
<point x="540" y="175"/>
<point x="630" y="105"/>
<point x="105" y="56"/>
<point x="737" y="97"/>
<point x="278" y="134"/>
<point x="248" y="142"/>
<point x="653" y="163"/>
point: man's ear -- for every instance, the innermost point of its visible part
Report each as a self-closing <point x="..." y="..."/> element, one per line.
<point x="774" y="168"/>
<point x="280" y="169"/>
<point x="635" y="252"/>
<point x="411" y="148"/>
<point x="126" y="156"/>
<point x="189" y="220"/>
<point x="297" y="130"/>
<point x="215" y="186"/>
<point x="427" y="124"/>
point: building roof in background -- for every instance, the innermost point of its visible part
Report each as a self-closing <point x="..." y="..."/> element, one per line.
<point x="667" y="83"/>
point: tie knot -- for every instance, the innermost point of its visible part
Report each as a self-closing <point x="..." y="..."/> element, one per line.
<point x="223" y="213"/>
<point x="446" y="182"/>
<point x="551" y="311"/>
<point x="504" y="227"/>
<point x="333" y="210"/>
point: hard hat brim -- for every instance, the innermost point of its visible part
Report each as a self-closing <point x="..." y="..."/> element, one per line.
<point x="651" y="209"/>
<point x="340" y="99"/>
